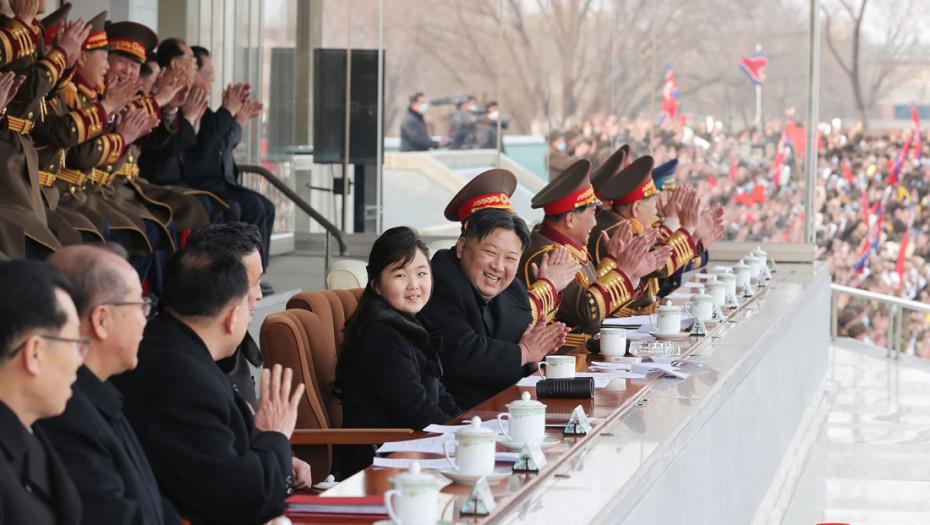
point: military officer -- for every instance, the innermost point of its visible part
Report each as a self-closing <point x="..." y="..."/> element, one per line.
<point x="633" y="199"/>
<point x="597" y="290"/>
<point x="20" y="197"/>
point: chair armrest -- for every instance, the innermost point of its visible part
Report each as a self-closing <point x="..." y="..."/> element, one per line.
<point x="354" y="436"/>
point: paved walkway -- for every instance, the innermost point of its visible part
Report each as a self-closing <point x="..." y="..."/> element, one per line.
<point x="877" y="439"/>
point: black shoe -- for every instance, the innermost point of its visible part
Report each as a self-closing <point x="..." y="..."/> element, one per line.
<point x="267" y="289"/>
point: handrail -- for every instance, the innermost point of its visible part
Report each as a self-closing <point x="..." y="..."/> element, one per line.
<point x="296" y="199"/>
<point x="873" y="296"/>
<point x="895" y="314"/>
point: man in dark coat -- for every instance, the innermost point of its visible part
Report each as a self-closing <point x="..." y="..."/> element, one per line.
<point x="212" y="459"/>
<point x="40" y="352"/>
<point x="494" y="330"/>
<point x="413" y="135"/>
<point x="210" y="165"/>
<point x="93" y="437"/>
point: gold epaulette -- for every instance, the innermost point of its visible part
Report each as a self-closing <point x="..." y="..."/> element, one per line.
<point x="47" y="179"/>
<point x="73" y="177"/>
<point x="102" y="177"/>
<point x="19" y="125"/>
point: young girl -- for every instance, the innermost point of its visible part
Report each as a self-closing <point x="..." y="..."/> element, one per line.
<point x="388" y="371"/>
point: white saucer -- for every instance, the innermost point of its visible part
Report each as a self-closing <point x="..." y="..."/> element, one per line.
<point x="670" y="337"/>
<point x="471" y="479"/>
<point x="392" y="522"/>
<point x="546" y="444"/>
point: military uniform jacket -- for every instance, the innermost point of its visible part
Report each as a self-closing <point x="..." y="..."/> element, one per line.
<point x="596" y="293"/>
<point x="88" y="157"/>
<point x="34" y="489"/>
<point x="684" y="249"/>
<point x="480" y="355"/>
<point x="104" y="458"/>
<point x="20" y="199"/>
<point x="198" y="435"/>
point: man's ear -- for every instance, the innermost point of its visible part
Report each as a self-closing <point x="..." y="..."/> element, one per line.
<point x="100" y="322"/>
<point x="231" y="319"/>
<point x="460" y="246"/>
<point x="33" y="354"/>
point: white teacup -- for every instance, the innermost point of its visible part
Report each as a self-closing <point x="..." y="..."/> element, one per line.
<point x="526" y="420"/>
<point x="474" y="449"/>
<point x="743" y="274"/>
<point x="558" y="367"/>
<point x="729" y="281"/>
<point x="667" y="319"/>
<point x="701" y="305"/>
<point x="414" y="498"/>
<point x="717" y="290"/>
<point x="613" y="342"/>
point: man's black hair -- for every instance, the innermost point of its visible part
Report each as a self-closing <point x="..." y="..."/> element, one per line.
<point x="415" y="96"/>
<point x="236" y="238"/>
<point x="199" y="53"/>
<point x="483" y="222"/>
<point x="168" y="50"/>
<point x="28" y="301"/>
<point x="198" y="283"/>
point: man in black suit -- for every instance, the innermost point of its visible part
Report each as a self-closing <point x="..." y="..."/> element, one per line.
<point x="215" y="462"/>
<point x="40" y="352"/>
<point x="93" y="437"/>
<point x="210" y="164"/>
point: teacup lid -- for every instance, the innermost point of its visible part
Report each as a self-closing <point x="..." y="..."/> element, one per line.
<point x="668" y="306"/>
<point x="474" y="429"/>
<point x="414" y="476"/>
<point x="741" y="265"/>
<point x="715" y="284"/>
<point x="753" y="259"/>
<point x="727" y="276"/>
<point x="525" y="401"/>
<point x="701" y="295"/>
<point x="759" y="251"/>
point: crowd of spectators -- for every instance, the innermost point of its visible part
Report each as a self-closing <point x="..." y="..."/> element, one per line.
<point x="759" y="178"/>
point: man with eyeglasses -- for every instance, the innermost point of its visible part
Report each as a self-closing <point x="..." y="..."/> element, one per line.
<point x="93" y="437"/>
<point x="40" y="353"/>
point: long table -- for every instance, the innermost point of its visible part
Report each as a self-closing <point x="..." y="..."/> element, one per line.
<point x="701" y="450"/>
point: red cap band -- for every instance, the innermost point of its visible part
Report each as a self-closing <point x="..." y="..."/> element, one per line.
<point x="491" y="200"/>
<point x="580" y="198"/>
<point x="94" y="41"/>
<point x="646" y="189"/>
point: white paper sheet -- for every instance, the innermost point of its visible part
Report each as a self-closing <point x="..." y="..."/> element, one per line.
<point x="438" y="464"/>
<point x="704" y="275"/>
<point x="431" y="444"/>
<point x="451" y="429"/>
<point x="678" y="295"/>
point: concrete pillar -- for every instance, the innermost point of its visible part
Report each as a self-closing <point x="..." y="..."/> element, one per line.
<point x="309" y="36"/>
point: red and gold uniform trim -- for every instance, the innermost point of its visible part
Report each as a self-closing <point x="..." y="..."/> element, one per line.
<point x="17" y="40"/>
<point x="128" y="46"/>
<point x="544" y="300"/>
<point x="644" y="190"/>
<point x="54" y="62"/>
<point x="609" y="292"/>
<point x="147" y="103"/>
<point x="683" y="250"/>
<point x="111" y="147"/>
<point x="90" y="121"/>
<point x="491" y="200"/>
<point x="583" y="197"/>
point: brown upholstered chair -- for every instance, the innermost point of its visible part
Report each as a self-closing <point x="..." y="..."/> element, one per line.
<point x="305" y="342"/>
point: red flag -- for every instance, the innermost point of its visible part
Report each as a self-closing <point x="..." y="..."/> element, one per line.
<point x="918" y="142"/>
<point x="754" y="67"/>
<point x="669" y="97"/>
<point x="899" y="266"/>
<point x="775" y="174"/>
<point x="758" y="194"/>
<point x="847" y="171"/>
<point x="734" y="163"/>
<point x="902" y="156"/>
<point x="864" y="207"/>
<point x="797" y="137"/>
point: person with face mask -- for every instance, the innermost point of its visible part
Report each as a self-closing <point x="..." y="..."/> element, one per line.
<point x="462" y="125"/>
<point x="413" y="134"/>
<point x="487" y="127"/>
